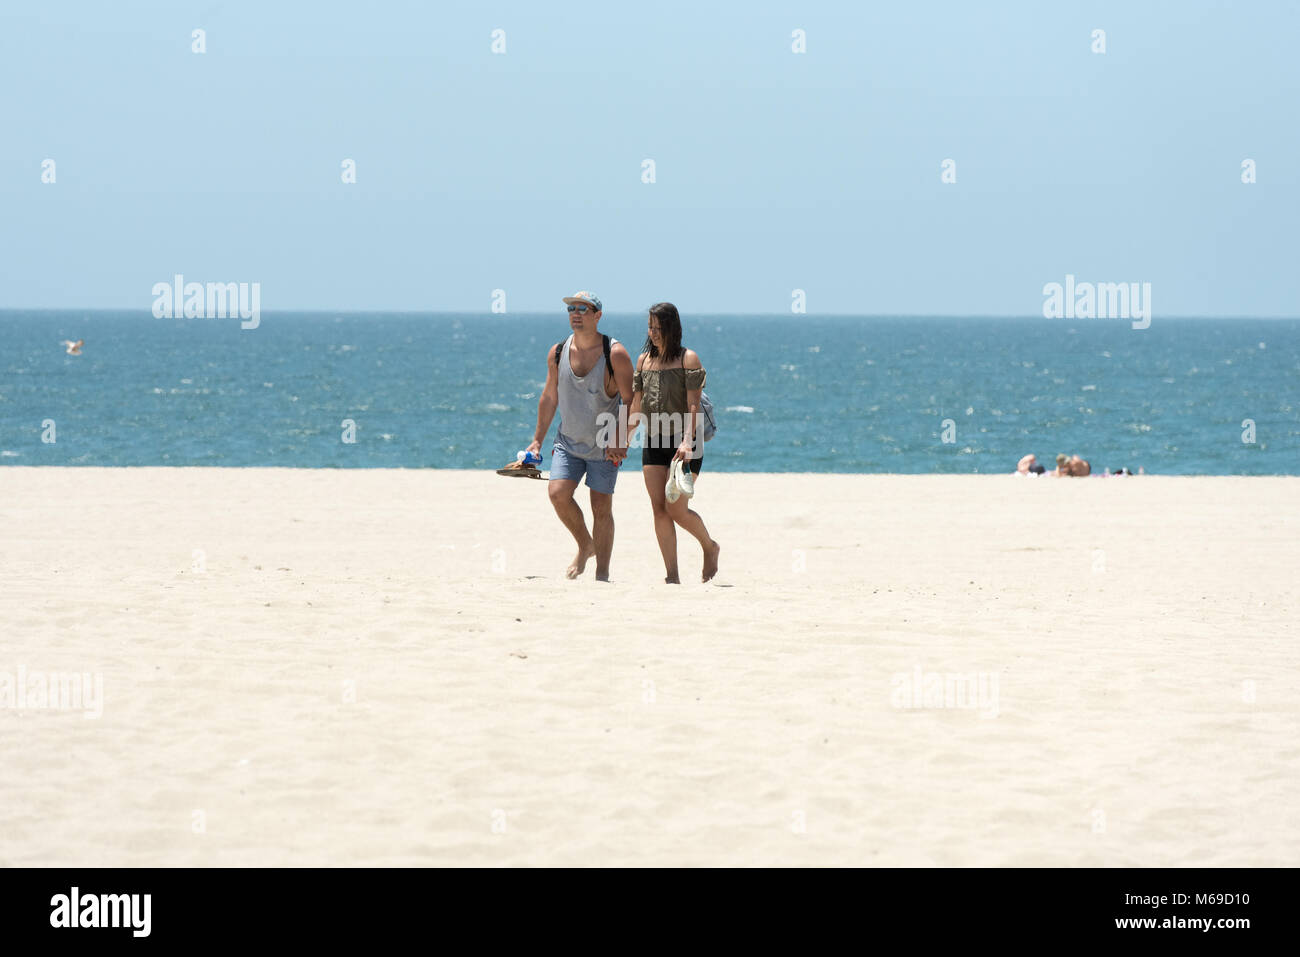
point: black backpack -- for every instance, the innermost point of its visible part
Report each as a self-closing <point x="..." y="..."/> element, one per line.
<point x="609" y="366"/>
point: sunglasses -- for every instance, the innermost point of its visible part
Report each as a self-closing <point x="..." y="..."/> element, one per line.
<point x="580" y="309"/>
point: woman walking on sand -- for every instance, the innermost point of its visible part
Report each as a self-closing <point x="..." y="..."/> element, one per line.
<point x="666" y="389"/>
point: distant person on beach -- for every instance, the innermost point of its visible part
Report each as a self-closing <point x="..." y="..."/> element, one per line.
<point x="666" y="387"/>
<point x="1029" y="466"/>
<point x="586" y="374"/>
<point x="1071" y="466"/>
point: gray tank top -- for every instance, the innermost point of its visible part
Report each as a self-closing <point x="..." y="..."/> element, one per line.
<point x="582" y="399"/>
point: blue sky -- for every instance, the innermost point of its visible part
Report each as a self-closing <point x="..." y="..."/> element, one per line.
<point x="775" y="171"/>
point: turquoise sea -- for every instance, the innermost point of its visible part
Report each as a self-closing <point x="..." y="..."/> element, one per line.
<point x="792" y="393"/>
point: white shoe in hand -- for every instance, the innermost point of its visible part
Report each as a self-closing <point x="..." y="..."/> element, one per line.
<point x="672" y="491"/>
<point x="680" y="482"/>
<point x="685" y="480"/>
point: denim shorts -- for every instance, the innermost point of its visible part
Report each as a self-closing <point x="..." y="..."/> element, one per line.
<point x="601" y="473"/>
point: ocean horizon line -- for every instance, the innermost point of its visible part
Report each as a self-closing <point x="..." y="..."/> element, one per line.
<point x="549" y="315"/>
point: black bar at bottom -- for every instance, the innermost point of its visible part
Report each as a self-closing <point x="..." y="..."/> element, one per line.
<point x="337" y="907"/>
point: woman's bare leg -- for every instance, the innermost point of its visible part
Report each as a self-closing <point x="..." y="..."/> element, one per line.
<point x="681" y="513"/>
<point x="656" y="476"/>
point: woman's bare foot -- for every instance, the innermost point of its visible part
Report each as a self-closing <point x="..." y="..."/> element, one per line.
<point x="580" y="563"/>
<point x="710" y="561"/>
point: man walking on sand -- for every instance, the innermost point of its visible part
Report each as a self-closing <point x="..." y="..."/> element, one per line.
<point x="586" y="374"/>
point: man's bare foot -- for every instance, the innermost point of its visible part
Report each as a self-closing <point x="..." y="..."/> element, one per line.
<point x="672" y="580"/>
<point x="580" y="563"/>
<point x="711" y="561"/>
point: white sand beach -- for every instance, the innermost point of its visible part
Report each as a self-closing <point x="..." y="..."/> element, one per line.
<point x="388" y="667"/>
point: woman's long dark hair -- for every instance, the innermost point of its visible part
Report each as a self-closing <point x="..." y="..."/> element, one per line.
<point x="670" y="330"/>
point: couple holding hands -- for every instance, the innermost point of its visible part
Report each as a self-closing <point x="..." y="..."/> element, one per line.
<point x="586" y="376"/>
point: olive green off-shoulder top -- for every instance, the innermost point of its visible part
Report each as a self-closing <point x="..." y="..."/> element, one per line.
<point x="664" y="390"/>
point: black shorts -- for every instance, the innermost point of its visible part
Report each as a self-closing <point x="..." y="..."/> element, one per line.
<point x="664" y="455"/>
